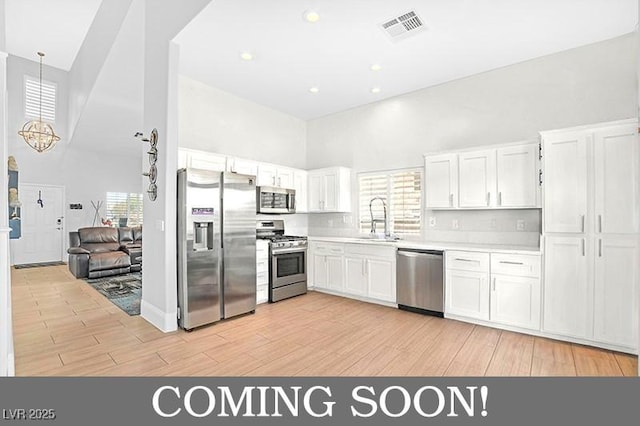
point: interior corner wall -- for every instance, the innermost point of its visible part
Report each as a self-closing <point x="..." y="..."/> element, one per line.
<point x="588" y="84"/>
<point x="216" y="121"/>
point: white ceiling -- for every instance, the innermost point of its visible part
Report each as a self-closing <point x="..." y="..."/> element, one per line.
<point x="463" y="37"/>
<point x="55" y="27"/>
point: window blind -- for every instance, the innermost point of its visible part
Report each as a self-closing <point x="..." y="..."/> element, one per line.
<point x="32" y="99"/>
<point x="401" y="191"/>
<point x="121" y="205"/>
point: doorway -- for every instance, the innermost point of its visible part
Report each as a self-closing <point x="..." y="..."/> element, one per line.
<point x="42" y="216"/>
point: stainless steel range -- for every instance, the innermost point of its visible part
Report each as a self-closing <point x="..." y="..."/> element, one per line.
<point x="287" y="260"/>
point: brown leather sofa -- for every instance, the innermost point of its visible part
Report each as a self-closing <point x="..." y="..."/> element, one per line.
<point x="102" y="251"/>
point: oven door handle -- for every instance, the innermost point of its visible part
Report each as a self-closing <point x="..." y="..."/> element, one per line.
<point x="288" y="250"/>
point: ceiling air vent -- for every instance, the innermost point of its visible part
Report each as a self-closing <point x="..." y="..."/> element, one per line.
<point x="403" y="26"/>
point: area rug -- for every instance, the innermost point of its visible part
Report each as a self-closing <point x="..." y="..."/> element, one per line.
<point x="37" y="265"/>
<point x="124" y="291"/>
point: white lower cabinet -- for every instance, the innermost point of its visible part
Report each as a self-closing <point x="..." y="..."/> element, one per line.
<point x="467" y="284"/>
<point x="262" y="271"/>
<point x="381" y="279"/>
<point x="358" y="270"/>
<point x="496" y="287"/>
<point x="516" y="290"/>
<point x="467" y="293"/>
<point x="515" y="301"/>
<point x="568" y="294"/>
<point x="370" y="272"/>
<point x="327" y="266"/>
<point x="591" y="288"/>
<point x="615" y="308"/>
<point x="355" y="275"/>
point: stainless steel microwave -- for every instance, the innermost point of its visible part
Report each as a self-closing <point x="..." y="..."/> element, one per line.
<point x="274" y="200"/>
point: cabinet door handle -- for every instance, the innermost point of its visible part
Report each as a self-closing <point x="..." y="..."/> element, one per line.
<point x="450" y="200"/>
<point x="500" y="198"/>
<point x="599" y="223"/>
<point x="582" y="223"/>
<point x="494" y="283"/>
<point x="488" y="199"/>
<point x="583" y="248"/>
<point x="463" y="260"/>
<point x="600" y="247"/>
<point x="273" y="179"/>
<point x="279" y="181"/>
<point x="511" y="263"/>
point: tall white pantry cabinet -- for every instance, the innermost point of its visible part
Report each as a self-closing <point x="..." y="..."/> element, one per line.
<point x="591" y="213"/>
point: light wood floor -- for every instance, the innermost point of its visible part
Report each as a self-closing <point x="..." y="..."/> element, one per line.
<point x="63" y="327"/>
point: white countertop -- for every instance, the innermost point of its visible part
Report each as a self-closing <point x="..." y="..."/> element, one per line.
<point x="435" y="245"/>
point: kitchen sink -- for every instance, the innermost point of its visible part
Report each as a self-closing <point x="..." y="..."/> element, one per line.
<point x="381" y="239"/>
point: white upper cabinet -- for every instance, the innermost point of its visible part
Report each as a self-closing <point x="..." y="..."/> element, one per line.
<point x="617" y="180"/>
<point x="517" y="171"/>
<point x="272" y="175"/>
<point x="565" y="181"/>
<point x="300" y="185"/>
<point x="329" y="190"/>
<point x="477" y="178"/>
<point x="243" y="167"/>
<point x="441" y="181"/>
<point x="202" y="160"/>
<point x="496" y="177"/>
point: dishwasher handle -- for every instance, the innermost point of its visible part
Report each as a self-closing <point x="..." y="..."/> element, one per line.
<point x="418" y="252"/>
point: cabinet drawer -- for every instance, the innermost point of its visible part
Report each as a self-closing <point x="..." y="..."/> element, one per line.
<point x="370" y="250"/>
<point x="262" y="266"/>
<point x="262" y="277"/>
<point x="467" y="261"/>
<point x="262" y="248"/>
<point x="521" y="265"/>
<point x="262" y="294"/>
<point x="327" y="249"/>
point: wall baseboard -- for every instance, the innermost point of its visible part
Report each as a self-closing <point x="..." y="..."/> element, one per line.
<point x="164" y="321"/>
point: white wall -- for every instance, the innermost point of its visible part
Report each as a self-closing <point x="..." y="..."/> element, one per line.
<point x="216" y="121"/>
<point x="92" y="55"/>
<point x="163" y="20"/>
<point x="86" y="175"/>
<point x="584" y="85"/>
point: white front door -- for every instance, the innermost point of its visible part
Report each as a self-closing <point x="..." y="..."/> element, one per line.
<point x="42" y="218"/>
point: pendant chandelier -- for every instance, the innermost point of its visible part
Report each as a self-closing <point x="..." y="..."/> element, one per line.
<point x="36" y="133"/>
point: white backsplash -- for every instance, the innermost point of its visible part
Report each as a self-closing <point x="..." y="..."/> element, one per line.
<point x="294" y="224"/>
<point x="333" y="225"/>
<point x="459" y="226"/>
<point x="512" y="227"/>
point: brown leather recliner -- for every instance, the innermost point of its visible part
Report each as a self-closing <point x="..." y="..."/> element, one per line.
<point x="98" y="251"/>
<point x="131" y="243"/>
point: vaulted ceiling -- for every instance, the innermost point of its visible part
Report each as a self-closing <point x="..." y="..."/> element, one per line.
<point x="290" y="55"/>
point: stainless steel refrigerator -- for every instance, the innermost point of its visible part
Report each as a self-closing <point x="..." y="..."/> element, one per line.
<point x="216" y="246"/>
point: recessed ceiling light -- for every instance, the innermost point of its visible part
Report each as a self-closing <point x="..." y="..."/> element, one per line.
<point x="314" y="89"/>
<point x="375" y="90"/>
<point x="246" y="56"/>
<point x="376" y="67"/>
<point x="311" y="16"/>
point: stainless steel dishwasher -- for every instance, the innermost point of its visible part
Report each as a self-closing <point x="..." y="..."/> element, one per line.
<point x="420" y="281"/>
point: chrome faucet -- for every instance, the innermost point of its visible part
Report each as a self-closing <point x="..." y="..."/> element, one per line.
<point x="374" y="221"/>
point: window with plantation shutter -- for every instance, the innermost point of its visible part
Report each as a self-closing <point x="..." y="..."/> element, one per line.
<point x="401" y="191"/>
<point x="32" y="99"/>
<point x="122" y="207"/>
